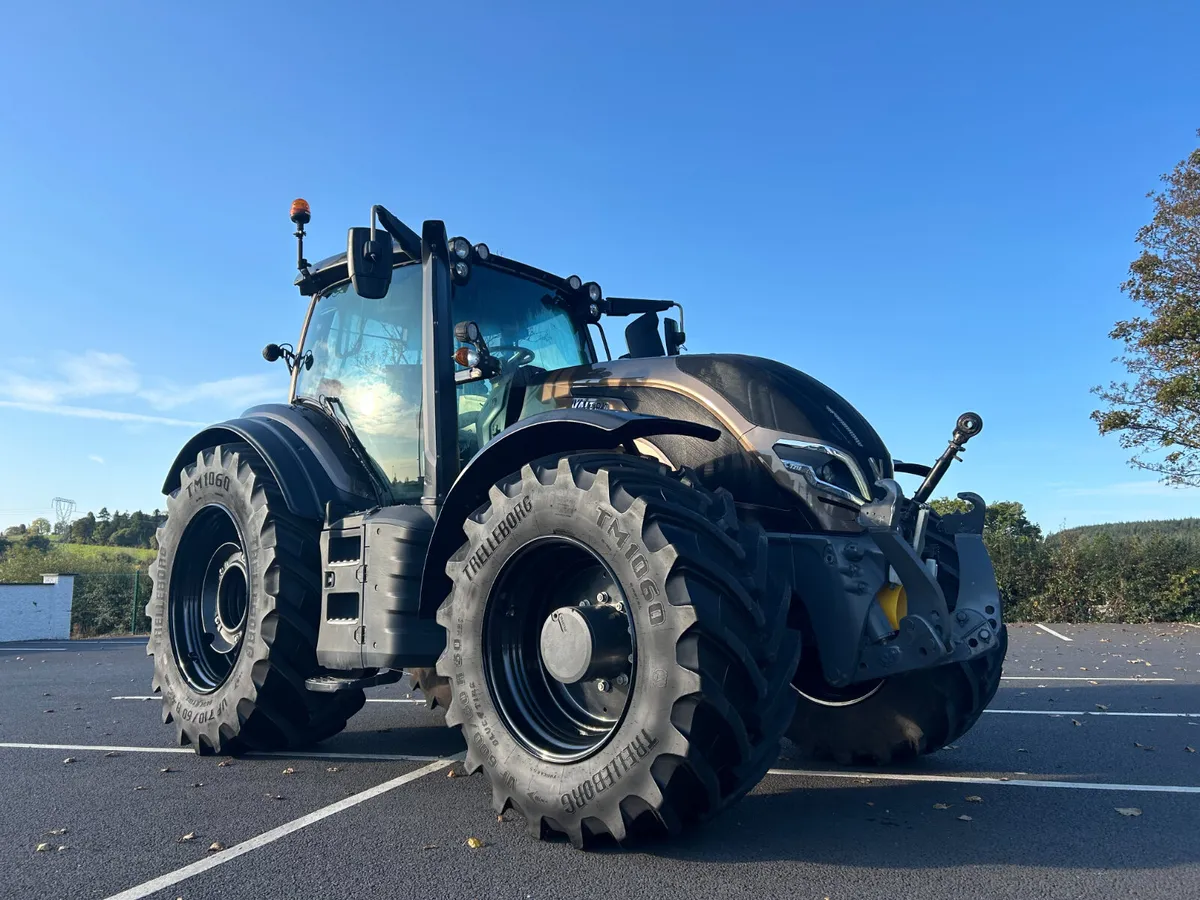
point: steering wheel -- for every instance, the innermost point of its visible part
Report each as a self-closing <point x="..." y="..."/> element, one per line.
<point x="511" y="354"/>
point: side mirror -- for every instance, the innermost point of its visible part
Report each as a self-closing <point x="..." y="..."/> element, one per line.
<point x="641" y="336"/>
<point x="674" y="336"/>
<point x="370" y="262"/>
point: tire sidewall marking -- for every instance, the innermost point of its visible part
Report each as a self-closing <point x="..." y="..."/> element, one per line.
<point x="616" y="537"/>
<point x="209" y="484"/>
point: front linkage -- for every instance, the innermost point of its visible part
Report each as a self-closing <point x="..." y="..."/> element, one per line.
<point x="845" y="577"/>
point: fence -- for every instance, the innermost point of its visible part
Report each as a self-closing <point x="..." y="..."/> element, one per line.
<point x="110" y="603"/>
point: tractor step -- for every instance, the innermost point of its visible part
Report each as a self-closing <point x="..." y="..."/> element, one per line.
<point x="328" y="684"/>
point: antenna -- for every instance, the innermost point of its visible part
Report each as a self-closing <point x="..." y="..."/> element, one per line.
<point x="63" y="510"/>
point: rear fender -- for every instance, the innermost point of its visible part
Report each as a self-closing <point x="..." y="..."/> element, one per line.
<point x="304" y="451"/>
<point x="555" y="431"/>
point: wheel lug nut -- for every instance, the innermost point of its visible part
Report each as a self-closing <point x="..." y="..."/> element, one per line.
<point x="602" y="597"/>
<point x="984" y="634"/>
<point x="621" y="680"/>
<point x="603" y="686"/>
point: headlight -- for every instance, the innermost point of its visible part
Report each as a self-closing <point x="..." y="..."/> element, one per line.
<point x="822" y="465"/>
<point x="574" y="282"/>
<point x="593" y="292"/>
<point x="482" y="251"/>
<point x="461" y="270"/>
<point x="460" y="247"/>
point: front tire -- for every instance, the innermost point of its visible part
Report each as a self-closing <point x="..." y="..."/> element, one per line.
<point x="693" y="694"/>
<point x="899" y="718"/>
<point x="234" y="612"/>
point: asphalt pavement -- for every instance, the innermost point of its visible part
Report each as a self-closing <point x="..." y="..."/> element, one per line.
<point x="1081" y="780"/>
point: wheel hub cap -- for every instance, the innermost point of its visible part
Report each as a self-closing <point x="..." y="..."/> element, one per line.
<point x="581" y="643"/>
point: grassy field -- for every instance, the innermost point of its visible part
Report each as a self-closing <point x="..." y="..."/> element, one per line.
<point x="107" y="554"/>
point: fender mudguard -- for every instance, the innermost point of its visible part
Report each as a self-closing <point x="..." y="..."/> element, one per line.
<point x="304" y="451"/>
<point x="542" y="434"/>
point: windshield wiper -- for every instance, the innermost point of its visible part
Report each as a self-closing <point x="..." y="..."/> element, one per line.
<point x="346" y="427"/>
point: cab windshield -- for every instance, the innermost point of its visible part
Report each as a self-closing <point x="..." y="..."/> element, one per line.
<point x="367" y="354"/>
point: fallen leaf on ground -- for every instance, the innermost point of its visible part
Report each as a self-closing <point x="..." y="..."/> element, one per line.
<point x="964" y="819"/>
<point x="57" y="831"/>
<point x="1101" y="707"/>
<point x="1076" y="722"/>
<point x="197" y="784"/>
<point x="273" y="796"/>
<point x="139" y="788"/>
<point x="112" y="753"/>
<point x="224" y="763"/>
<point x="474" y="843"/>
<point x="429" y="847"/>
<point x="165" y="770"/>
<point x="289" y="771"/>
<point x="69" y="759"/>
<point x="47" y="710"/>
<point x="973" y="798"/>
<point x="1141" y="746"/>
<point x="1190" y="749"/>
<point x="60" y="848"/>
<point x="1128" y="810"/>
<point x="190" y="836"/>
<point x="941" y="806"/>
<point x="1022" y="750"/>
<point x="215" y="846"/>
<point x="870" y="803"/>
<point x="42" y="848"/>
<point x="331" y="768"/>
<point x="452" y="774"/>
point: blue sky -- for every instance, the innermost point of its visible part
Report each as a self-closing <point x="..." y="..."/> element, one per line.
<point x="930" y="206"/>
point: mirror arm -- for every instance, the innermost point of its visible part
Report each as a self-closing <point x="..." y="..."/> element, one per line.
<point x="409" y="240"/>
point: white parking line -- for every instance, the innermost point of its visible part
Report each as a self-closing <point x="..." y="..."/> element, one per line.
<point x="219" y="858"/>
<point x="1093" y="712"/>
<point x="257" y="754"/>
<point x="369" y="699"/>
<point x="105" y="747"/>
<point x="1012" y="782"/>
<point x="1061" y="637"/>
<point x="1074" y="678"/>
<point x="36" y="649"/>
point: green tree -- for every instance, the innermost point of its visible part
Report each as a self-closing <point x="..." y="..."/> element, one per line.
<point x="39" y="526"/>
<point x="1156" y="414"/>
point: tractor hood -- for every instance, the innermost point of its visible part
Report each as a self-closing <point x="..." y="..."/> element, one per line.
<point x="756" y="403"/>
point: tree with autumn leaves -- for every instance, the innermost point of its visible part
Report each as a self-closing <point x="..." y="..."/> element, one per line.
<point x="1156" y="411"/>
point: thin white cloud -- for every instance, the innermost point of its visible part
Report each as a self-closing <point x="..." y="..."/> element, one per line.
<point x="244" y="390"/>
<point x="84" y="412"/>
<point x="96" y="459"/>
<point x="89" y="374"/>
<point x="96" y="374"/>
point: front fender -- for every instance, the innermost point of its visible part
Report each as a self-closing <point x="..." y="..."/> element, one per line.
<point x="543" y="434"/>
<point x="304" y="451"/>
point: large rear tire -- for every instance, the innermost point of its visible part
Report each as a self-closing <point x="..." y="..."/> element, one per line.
<point x="234" y="612"/>
<point x="688" y="715"/>
<point x="434" y="687"/>
<point x="899" y="718"/>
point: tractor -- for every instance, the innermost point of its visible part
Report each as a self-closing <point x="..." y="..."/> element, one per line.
<point x="625" y="580"/>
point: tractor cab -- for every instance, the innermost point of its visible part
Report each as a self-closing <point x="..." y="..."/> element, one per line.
<point x="362" y="350"/>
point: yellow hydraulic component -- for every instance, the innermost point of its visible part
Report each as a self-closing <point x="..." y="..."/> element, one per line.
<point x="894" y="601"/>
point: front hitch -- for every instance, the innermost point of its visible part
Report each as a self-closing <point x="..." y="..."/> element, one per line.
<point x="929" y="634"/>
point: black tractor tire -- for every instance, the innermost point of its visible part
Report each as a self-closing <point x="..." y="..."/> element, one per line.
<point x="906" y="716"/>
<point x="435" y="688"/>
<point x="708" y="694"/>
<point x="228" y="510"/>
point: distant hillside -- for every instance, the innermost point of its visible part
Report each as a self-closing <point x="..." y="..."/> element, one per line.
<point x="1186" y="528"/>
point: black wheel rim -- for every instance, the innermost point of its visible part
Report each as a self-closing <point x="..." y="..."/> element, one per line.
<point x="556" y="722"/>
<point x="209" y="599"/>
